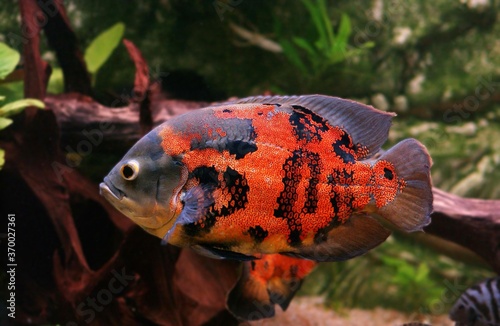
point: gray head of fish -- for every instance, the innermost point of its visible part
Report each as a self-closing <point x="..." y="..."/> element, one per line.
<point x="145" y="185"/>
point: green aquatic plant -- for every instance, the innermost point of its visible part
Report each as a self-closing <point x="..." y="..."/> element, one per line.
<point x="400" y="274"/>
<point x="9" y="58"/>
<point x="330" y="48"/>
<point x="414" y="279"/>
<point x="96" y="54"/>
<point x="101" y="48"/>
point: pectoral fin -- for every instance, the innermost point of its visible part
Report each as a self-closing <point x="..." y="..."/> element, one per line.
<point x="353" y="238"/>
<point x="196" y="201"/>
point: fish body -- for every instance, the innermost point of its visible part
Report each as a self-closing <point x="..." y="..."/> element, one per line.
<point x="293" y="175"/>
<point x="478" y="305"/>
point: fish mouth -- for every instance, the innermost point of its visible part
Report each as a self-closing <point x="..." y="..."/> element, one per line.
<point x="107" y="188"/>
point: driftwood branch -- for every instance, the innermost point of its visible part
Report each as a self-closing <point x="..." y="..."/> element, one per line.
<point x="472" y="223"/>
<point x="63" y="40"/>
<point x="78" y="116"/>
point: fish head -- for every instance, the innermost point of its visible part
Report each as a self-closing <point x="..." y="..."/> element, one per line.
<point x="146" y="184"/>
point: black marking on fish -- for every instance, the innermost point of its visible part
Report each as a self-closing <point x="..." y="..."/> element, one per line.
<point x="316" y="118"/>
<point x="305" y="124"/>
<point x="219" y="251"/>
<point x="206" y="175"/>
<point x="288" y="196"/>
<point x="240" y="148"/>
<point x="313" y="162"/>
<point x="388" y="174"/>
<point x="294" y="237"/>
<point x="345" y="140"/>
<point x="340" y="177"/>
<point x="237" y="186"/>
<point x="334" y="197"/>
<point x="237" y="136"/>
<point x="258" y="233"/>
<point x="322" y="234"/>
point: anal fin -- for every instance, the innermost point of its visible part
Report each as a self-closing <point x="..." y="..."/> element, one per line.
<point x="272" y="280"/>
<point x="353" y="238"/>
<point x="282" y="291"/>
<point x="249" y="299"/>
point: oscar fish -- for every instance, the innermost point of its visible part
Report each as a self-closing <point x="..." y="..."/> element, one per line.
<point x="302" y="176"/>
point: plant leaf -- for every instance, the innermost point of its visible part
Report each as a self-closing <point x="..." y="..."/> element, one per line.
<point x="422" y="273"/>
<point x="344" y="29"/>
<point x="19" y="105"/>
<point x="367" y="45"/>
<point x="102" y="46"/>
<point x="339" y="47"/>
<point x="56" y="81"/>
<point x="316" y="16"/>
<point x="5" y="122"/>
<point x="12" y="91"/>
<point x="8" y="60"/>
<point x="302" y="43"/>
<point x="2" y="158"/>
<point x="327" y="23"/>
<point x="292" y="55"/>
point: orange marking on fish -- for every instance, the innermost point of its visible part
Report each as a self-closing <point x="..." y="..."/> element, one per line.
<point x="221" y="132"/>
<point x="282" y="267"/>
<point x="175" y="143"/>
<point x="387" y="184"/>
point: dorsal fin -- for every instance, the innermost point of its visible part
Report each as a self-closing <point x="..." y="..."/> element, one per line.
<point x="366" y="125"/>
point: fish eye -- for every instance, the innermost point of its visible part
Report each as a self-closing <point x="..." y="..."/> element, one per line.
<point x="130" y="170"/>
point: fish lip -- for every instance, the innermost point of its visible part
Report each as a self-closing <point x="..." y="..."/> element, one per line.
<point x="108" y="187"/>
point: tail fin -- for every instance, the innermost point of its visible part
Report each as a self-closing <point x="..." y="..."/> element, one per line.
<point x="411" y="208"/>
